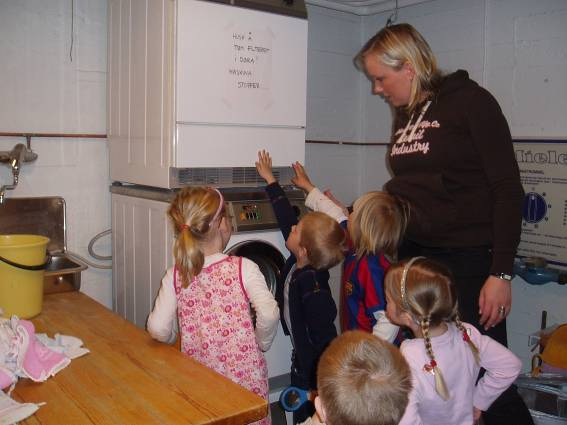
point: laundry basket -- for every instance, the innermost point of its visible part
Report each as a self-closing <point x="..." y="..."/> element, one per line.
<point x="546" y="397"/>
<point x="22" y="265"/>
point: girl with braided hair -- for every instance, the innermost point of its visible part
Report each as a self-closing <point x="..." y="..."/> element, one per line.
<point x="446" y="355"/>
<point x="207" y="295"/>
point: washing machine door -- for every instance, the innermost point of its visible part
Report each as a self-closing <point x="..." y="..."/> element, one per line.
<point x="269" y="259"/>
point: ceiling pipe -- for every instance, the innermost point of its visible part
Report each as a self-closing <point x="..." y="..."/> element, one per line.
<point x="363" y="7"/>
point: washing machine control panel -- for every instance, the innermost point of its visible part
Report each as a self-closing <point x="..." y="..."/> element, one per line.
<point x="258" y="214"/>
<point x="250" y="212"/>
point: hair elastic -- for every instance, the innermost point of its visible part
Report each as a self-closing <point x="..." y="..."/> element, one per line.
<point x="184" y="226"/>
<point x="403" y="281"/>
<point x="430" y="367"/>
<point x="221" y="204"/>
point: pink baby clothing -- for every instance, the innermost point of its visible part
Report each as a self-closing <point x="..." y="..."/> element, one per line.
<point x="457" y="364"/>
<point x="22" y="354"/>
<point x="216" y="326"/>
<point x="38" y="361"/>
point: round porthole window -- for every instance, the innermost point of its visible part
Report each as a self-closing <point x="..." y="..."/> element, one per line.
<point x="269" y="260"/>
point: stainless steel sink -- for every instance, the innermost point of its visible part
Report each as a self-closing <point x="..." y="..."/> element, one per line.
<point x="62" y="274"/>
<point x="45" y="216"/>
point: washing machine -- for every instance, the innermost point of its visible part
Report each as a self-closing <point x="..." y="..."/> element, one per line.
<point x="257" y="237"/>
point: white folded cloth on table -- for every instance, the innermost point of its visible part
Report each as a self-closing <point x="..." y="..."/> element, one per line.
<point x="25" y="354"/>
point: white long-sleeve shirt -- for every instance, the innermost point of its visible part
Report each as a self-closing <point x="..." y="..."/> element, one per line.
<point x="459" y="369"/>
<point x="162" y="321"/>
<point x="317" y="201"/>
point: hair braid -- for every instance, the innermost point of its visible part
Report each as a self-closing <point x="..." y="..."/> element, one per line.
<point x="440" y="385"/>
<point x="467" y="339"/>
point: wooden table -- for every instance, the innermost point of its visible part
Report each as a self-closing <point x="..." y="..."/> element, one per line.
<point x="128" y="378"/>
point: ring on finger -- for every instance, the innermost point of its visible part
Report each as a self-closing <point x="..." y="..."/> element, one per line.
<point x="502" y="310"/>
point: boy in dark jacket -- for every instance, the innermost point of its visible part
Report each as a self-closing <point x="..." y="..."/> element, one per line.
<point x="307" y="308"/>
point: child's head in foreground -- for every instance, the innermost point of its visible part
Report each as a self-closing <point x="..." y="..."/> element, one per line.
<point x="377" y="223"/>
<point x="319" y="239"/>
<point x="362" y="380"/>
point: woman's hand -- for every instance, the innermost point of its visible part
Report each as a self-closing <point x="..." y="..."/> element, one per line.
<point x="495" y="293"/>
<point x="301" y="178"/>
<point x="264" y="167"/>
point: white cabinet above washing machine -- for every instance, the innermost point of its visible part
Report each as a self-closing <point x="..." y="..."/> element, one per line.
<point x="196" y="88"/>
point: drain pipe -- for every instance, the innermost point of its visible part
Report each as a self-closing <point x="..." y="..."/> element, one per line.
<point x="364" y="7"/>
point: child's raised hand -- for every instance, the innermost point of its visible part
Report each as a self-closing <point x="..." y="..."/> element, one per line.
<point x="264" y="166"/>
<point x="301" y="178"/>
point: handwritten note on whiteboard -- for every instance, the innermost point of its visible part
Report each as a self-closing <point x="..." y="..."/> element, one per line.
<point x="239" y="66"/>
<point x="248" y="65"/>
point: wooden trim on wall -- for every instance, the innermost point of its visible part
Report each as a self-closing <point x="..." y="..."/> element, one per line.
<point x="55" y="135"/>
<point x="338" y="142"/>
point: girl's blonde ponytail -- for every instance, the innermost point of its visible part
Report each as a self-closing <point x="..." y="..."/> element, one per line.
<point x="189" y="258"/>
<point x="191" y="213"/>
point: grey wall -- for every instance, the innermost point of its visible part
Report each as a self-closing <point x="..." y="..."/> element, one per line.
<point x="516" y="49"/>
<point x="44" y="91"/>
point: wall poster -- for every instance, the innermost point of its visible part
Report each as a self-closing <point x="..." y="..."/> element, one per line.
<point x="543" y="172"/>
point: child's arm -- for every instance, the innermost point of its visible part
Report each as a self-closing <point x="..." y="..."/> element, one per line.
<point x="162" y="321"/>
<point x="370" y="276"/>
<point x="282" y="208"/>
<point x="263" y="303"/>
<point x="316" y="200"/>
<point x="411" y="415"/>
<point x="502" y="368"/>
<point x="383" y="328"/>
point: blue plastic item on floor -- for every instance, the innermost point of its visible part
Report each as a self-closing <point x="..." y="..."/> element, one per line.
<point x="534" y="270"/>
<point x="292" y="398"/>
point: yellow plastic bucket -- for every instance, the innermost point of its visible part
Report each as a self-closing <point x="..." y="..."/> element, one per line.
<point x="22" y="265"/>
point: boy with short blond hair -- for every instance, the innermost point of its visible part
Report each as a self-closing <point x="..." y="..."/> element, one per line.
<point x="316" y="243"/>
<point x="362" y="380"/>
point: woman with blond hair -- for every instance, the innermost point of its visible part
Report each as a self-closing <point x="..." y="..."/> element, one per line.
<point x="452" y="159"/>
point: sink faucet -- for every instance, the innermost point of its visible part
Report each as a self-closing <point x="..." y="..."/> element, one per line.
<point x="19" y="154"/>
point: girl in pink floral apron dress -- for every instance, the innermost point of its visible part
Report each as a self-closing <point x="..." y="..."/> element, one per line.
<point x="208" y="294"/>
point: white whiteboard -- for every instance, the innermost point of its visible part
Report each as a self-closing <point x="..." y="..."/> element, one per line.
<point x="239" y="66"/>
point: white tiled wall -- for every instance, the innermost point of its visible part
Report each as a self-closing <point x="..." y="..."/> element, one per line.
<point x="333" y="98"/>
<point x="42" y="90"/>
<point x="515" y="48"/>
